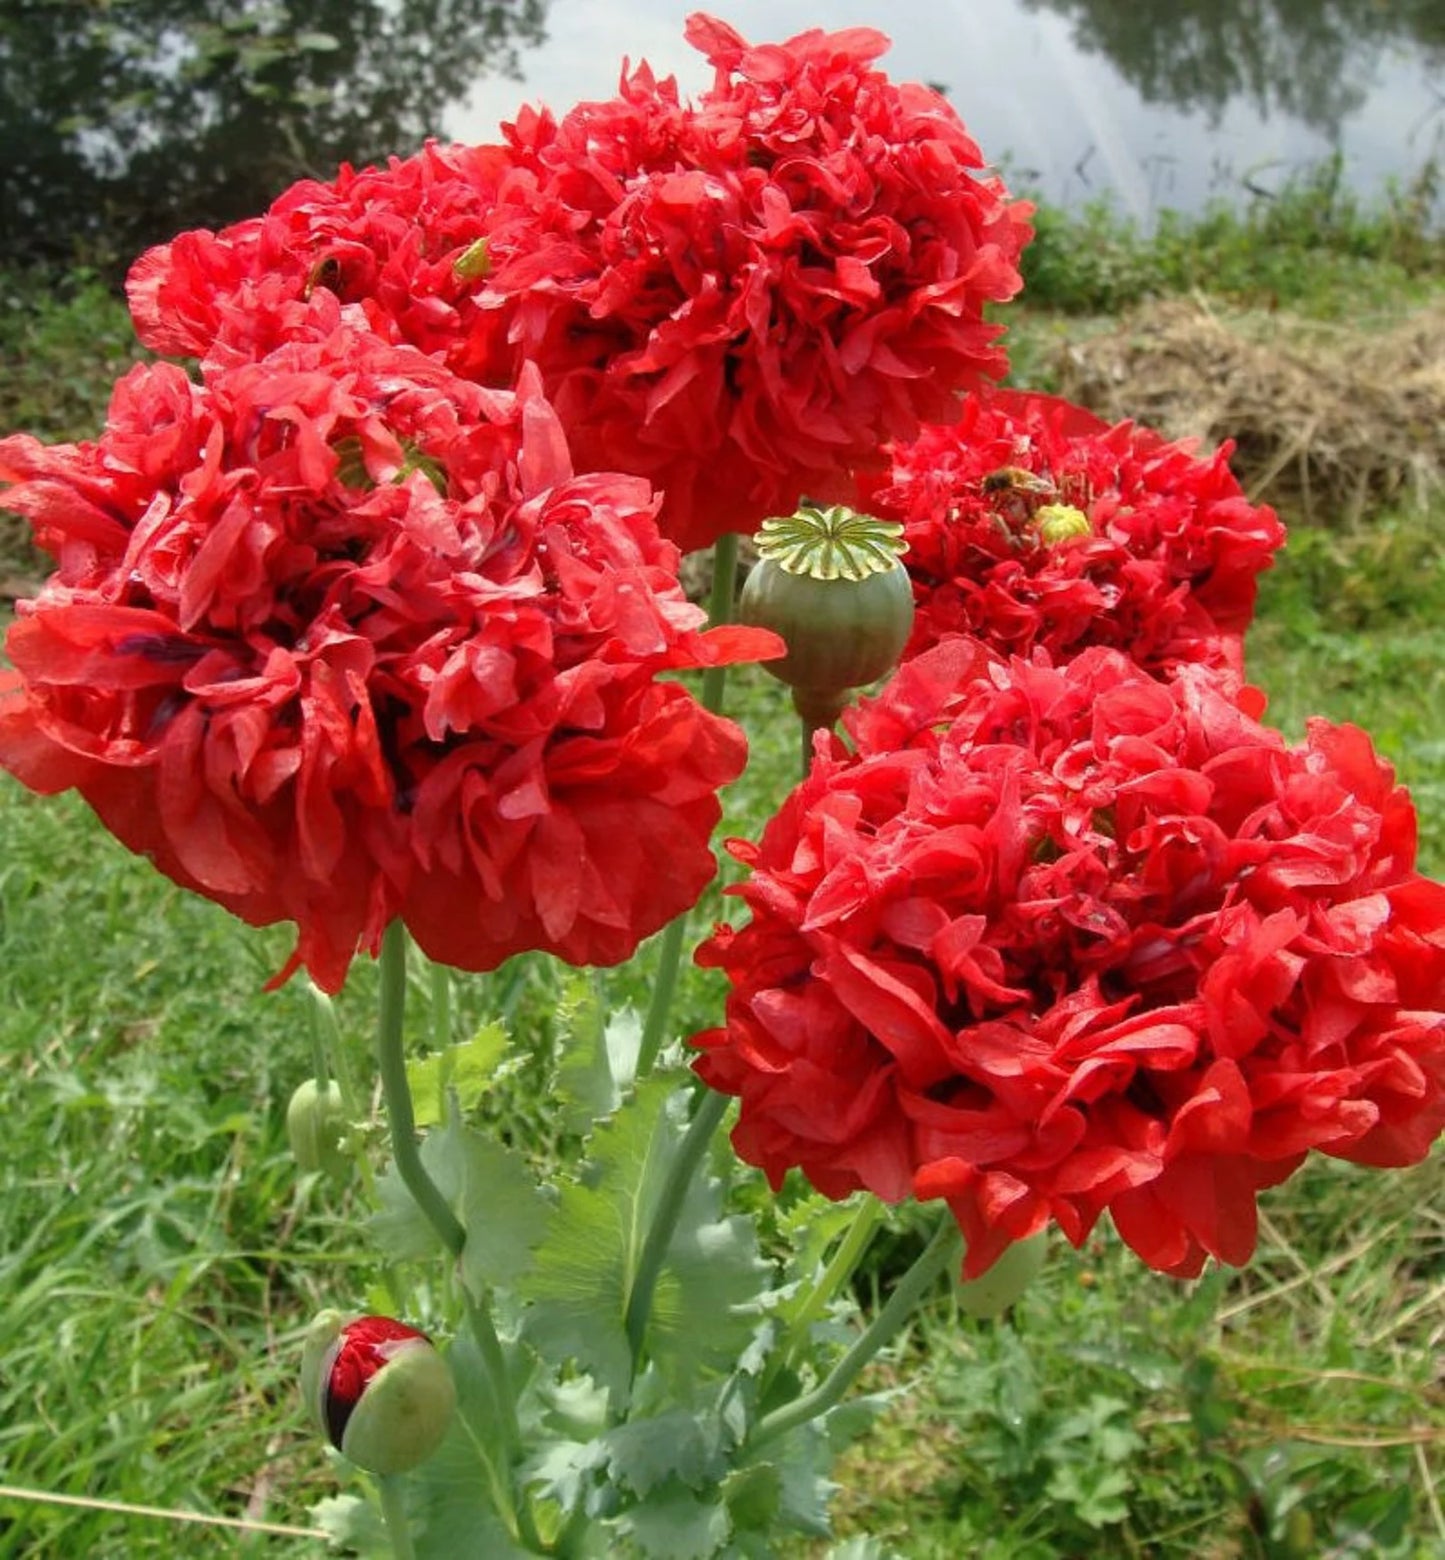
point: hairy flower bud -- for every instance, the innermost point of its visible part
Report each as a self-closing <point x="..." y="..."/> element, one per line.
<point x="378" y="1389"/>
<point x="829" y="581"/>
<point x="315" y="1122"/>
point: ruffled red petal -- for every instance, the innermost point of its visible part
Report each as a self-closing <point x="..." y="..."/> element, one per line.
<point x="1051" y="942"/>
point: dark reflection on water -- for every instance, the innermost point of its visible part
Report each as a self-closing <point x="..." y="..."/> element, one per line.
<point x="1311" y="59"/>
<point x="124" y="121"/>
<point x="121" y="123"/>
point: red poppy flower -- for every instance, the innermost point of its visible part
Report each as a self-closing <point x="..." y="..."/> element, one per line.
<point x="1060" y="940"/>
<point x="1032" y="523"/>
<point x="404" y="242"/>
<point x="740" y="299"/>
<point x="337" y="636"/>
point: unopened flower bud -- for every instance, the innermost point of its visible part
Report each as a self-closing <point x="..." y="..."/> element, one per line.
<point x="993" y="1292"/>
<point x="830" y="583"/>
<point x="378" y="1389"/>
<point x="315" y="1123"/>
<point x="1061" y="522"/>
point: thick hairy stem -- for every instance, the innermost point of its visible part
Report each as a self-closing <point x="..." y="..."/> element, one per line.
<point x="719" y="611"/>
<point x="393" y="1513"/>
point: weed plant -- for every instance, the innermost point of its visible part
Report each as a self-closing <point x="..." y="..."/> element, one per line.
<point x="1313" y="247"/>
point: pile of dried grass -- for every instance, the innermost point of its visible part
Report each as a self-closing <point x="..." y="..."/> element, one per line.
<point x="1329" y="420"/>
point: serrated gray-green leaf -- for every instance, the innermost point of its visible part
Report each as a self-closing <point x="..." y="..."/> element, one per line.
<point x="803" y="1458"/>
<point x="854" y="1416"/>
<point x="753" y="1496"/>
<point x="575" y="1408"/>
<point x="563" y="1470"/>
<point x="642" y="1453"/>
<point x="674" y="1524"/>
<point x="476" y="1402"/>
<point x="466" y="1069"/>
<point x="584" y="1270"/>
<point x="598" y="1061"/>
<point x="709" y="1296"/>
<point x="353" y="1524"/>
<point x="455" y="1517"/>
<point x="492" y="1191"/>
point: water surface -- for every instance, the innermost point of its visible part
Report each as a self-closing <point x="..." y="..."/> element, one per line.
<point x="1155" y="103"/>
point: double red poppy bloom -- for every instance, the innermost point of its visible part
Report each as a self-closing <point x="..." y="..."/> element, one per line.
<point x="1162" y="559"/>
<point x="1061" y="940"/>
<point x="337" y="637"/>
<point x="742" y="298"/>
<point x="739" y="299"/>
<point x="403" y="243"/>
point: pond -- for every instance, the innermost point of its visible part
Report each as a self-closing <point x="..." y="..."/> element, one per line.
<point x="125" y="123"/>
<point x="1154" y="103"/>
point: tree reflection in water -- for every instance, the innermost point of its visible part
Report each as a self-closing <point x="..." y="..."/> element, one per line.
<point x="1310" y="59"/>
<point x="125" y="122"/>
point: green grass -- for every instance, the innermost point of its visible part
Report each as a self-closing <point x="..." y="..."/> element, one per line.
<point x="157" y="1252"/>
<point x="64" y="339"/>
<point x="1290" y="1411"/>
<point x="1313" y="247"/>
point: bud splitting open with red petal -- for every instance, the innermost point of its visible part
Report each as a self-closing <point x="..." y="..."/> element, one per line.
<point x="379" y="1389"/>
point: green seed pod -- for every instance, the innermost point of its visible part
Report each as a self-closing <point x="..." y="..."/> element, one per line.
<point x="378" y="1389"/>
<point x="992" y="1293"/>
<point x="830" y="583"/>
<point x="315" y="1123"/>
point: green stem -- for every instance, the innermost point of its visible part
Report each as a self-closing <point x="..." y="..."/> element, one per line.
<point x="440" y="1010"/>
<point x="937" y="1255"/>
<point x="669" y="956"/>
<point x="479" y="1319"/>
<point x="326" y="1038"/>
<point x="393" y="1513"/>
<point x="323" y="1031"/>
<point x="837" y="1273"/>
<point x="680" y="1172"/>
<point x="818" y="710"/>
<point x="395" y="1091"/>
<point x="669" y="961"/>
<point x="719" y="611"/>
